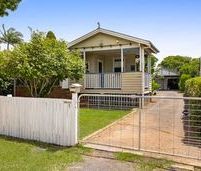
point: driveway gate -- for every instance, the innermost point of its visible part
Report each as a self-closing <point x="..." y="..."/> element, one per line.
<point x="156" y="125"/>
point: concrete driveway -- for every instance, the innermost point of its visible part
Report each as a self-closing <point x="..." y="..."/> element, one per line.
<point x="162" y="130"/>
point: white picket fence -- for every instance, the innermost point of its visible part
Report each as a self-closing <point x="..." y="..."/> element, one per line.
<point x="47" y="120"/>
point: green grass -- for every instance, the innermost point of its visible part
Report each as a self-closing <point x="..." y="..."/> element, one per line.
<point x="23" y="155"/>
<point x="92" y="120"/>
<point x="28" y="155"/>
<point x="144" y="163"/>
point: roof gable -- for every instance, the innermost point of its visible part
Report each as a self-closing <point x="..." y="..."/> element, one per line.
<point x="114" y="37"/>
<point x="101" y="39"/>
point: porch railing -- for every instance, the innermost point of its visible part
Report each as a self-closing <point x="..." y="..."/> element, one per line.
<point x="103" y="80"/>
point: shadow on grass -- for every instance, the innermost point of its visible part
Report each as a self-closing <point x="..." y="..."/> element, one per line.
<point x="46" y="146"/>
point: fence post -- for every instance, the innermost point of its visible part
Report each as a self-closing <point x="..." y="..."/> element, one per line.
<point x="75" y="115"/>
<point x="75" y="89"/>
<point x="140" y="122"/>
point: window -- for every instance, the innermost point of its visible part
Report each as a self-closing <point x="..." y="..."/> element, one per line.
<point x="117" y="65"/>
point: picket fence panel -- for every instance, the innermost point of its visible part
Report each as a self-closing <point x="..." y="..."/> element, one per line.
<point x="42" y="119"/>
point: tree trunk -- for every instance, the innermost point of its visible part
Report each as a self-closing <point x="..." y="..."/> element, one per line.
<point x="8" y="46"/>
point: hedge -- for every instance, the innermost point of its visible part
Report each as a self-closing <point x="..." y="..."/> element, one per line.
<point x="182" y="81"/>
<point x="192" y="122"/>
<point x="193" y="87"/>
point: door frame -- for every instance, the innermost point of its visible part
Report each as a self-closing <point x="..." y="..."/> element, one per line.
<point x="100" y="61"/>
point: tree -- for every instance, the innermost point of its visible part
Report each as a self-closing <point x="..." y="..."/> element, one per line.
<point x="41" y="63"/>
<point x="6" y="5"/>
<point x="192" y="68"/>
<point x="154" y="60"/>
<point x="175" y="62"/>
<point x="182" y="81"/>
<point x="5" y="81"/>
<point x="50" y="35"/>
<point x="10" y="36"/>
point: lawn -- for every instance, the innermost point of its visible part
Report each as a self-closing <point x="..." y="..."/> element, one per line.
<point x="91" y="120"/>
<point x="28" y="155"/>
<point x="144" y="163"/>
<point x="23" y="155"/>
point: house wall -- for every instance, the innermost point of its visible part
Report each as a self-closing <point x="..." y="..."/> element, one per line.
<point x="132" y="82"/>
<point x="108" y="61"/>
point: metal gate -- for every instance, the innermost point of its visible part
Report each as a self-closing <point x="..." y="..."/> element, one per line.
<point x="158" y="125"/>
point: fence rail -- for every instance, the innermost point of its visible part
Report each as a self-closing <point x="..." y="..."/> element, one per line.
<point x="47" y="120"/>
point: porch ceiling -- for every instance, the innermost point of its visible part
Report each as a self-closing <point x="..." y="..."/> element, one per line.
<point x="116" y="51"/>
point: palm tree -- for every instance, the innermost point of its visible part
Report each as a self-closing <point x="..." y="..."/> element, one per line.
<point x="10" y="36"/>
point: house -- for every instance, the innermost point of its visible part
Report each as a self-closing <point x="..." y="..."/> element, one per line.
<point x="168" y="79"/>
<point x="116" y="63"/>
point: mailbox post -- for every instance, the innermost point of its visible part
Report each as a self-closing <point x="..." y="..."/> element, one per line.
<point x="75" y="89"/>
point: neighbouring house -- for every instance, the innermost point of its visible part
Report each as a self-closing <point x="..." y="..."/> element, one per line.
<point x="116" y="63"/>
<point x="168" y="79"/>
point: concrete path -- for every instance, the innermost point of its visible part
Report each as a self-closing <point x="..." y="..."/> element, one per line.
<point x="102" y="164"/>
<point x="162" y="130"/>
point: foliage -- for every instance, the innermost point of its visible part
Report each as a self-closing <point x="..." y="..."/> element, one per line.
<point x="182" y="81"/>
<point x="155" y="85"/>
<point x="50" y="35"/>
<point x="10" y="36"/>
<point x="175" y="62"/>
<point x="5" y="81"/>
<point x="92" y="120"/>
<point x="192" y="68"/>
<point x="193" y="87"/>
<point x="154" y="60"/>
<point x="41" y="63"/>
<point x="6" y="5"/>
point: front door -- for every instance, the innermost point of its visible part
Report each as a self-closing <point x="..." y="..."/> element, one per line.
<point x="100" y="66"/>
<point x="100" y="71"/>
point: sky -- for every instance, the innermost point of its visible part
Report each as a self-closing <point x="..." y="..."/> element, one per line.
<point x="174" y="26"/>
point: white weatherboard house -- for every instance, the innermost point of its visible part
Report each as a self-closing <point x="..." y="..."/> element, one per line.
<point x="115" y="62"/>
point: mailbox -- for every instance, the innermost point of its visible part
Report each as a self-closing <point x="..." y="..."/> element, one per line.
<point x="75" y="88"/>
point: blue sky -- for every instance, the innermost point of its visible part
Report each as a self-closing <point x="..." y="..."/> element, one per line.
<point x="174" y="26"/>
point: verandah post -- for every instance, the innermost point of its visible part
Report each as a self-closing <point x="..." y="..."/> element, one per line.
<point x="149" y="71"/>
<point x="122" y="59"/>
<point x="84" y="58"/>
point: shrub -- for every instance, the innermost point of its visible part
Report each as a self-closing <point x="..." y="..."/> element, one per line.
<point x="182" y="81"/>
<point x="193" y="125"/>
<point x="193" y="87"/>
<point x="155" y="85"/>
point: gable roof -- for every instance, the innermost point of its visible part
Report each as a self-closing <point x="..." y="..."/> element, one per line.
<point x="115" y="34"/>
